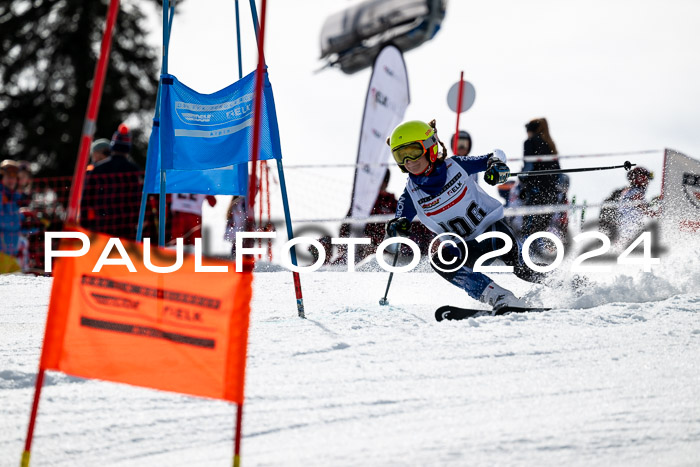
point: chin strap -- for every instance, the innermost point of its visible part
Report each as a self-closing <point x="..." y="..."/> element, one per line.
<point x="428" y="169"/>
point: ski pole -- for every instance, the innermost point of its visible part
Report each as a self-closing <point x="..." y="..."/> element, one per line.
<point x="383" y="301"/>
<point x="627" y="165"/>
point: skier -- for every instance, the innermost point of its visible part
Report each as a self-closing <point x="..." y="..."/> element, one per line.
<point x="443" y="196"/>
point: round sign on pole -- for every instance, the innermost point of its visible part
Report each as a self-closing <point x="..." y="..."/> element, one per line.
<point x="468" y="96"/>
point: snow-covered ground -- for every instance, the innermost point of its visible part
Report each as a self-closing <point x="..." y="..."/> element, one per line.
<point x="610" y="377"/>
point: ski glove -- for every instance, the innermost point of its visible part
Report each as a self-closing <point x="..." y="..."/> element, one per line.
<point x="398" y="226"/>
<point x="497" y="171"/>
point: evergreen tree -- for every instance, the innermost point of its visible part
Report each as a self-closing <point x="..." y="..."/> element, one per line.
<point x="48" y="52"/>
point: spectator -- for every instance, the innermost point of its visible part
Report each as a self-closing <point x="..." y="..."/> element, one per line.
<point x="10" y="219"/>
<point x="608" y="219"/>
<point x="559" y="225"/>
<point x="25" y="179"/>
<point x="112" y="194"/>
<point x="464" y="147"/>
<point x="538" y="191"/>
<point x="29" y="224"/>
<point x="186" y="215"/>
<point x="99" y="153"/>
<point x="625" y="217"/>
<point x="464" y="143"/>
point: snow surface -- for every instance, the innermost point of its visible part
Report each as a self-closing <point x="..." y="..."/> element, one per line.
<point x="611" y="378"/>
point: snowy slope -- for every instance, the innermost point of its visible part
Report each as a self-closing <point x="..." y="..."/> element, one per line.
<point x="611" y="379"/>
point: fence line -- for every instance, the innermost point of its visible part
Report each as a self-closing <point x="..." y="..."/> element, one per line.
<point x="513" y="159"/>
<point x="508" y="212"/>
<point x="585" y="156"/>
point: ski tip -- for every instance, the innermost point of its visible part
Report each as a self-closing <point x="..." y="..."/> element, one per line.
<point x="455" y="313"/>
<point x="442" y="313"/>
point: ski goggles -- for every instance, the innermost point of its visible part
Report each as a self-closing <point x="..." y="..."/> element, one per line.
<point x="412" y="151"/>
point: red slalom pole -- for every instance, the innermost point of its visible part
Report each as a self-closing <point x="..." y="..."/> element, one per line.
<point x="459" y="110"/>
<point x="295" y="275"/>
<point x="267" y="189"/>
<point x="239" y="427"/>
<point x="255" y="151"/>
<point x="77" y="185"/>
<point x="257" y="109"/>
<point x="76" y="190"/>
<point x="257" y="120"/>
<point x="32" y="418"/>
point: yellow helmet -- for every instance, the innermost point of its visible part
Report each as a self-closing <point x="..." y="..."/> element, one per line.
<point x="411" y="140"/>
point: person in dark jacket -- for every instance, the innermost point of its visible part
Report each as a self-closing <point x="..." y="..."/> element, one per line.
<point x="112" y="193"/>
<point x="541" y="190"/>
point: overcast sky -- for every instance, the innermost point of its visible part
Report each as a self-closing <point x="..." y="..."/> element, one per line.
<point x="609" y="75"/>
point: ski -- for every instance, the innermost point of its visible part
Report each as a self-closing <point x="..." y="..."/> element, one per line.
<point x="450" y="312"/>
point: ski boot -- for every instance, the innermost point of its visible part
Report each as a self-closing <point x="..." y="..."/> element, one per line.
<point x="498" y="297"/>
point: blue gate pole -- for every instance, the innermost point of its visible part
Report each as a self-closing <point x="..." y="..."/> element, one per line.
<point x="144" y="194"/>
<point x="171" y="14"/>
<point x="283" y="188"/>
<point x="240" y="74"/>
<point x="238" y="41"/>
<point x="164" y="68"/>
<point x="290" y="235"/>
<point x="254" y="12"/>
<point x="156" y="122"/>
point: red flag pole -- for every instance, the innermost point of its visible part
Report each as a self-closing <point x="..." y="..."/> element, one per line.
<point x="77" y="185"/>
<point x="252" y="182"/>
<point x="459" y="110"/>
<point x="76" y="190"/>
<point x="32" y="418"/>
<point x="257" y="109"/>
<point x="237" y="446"/>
